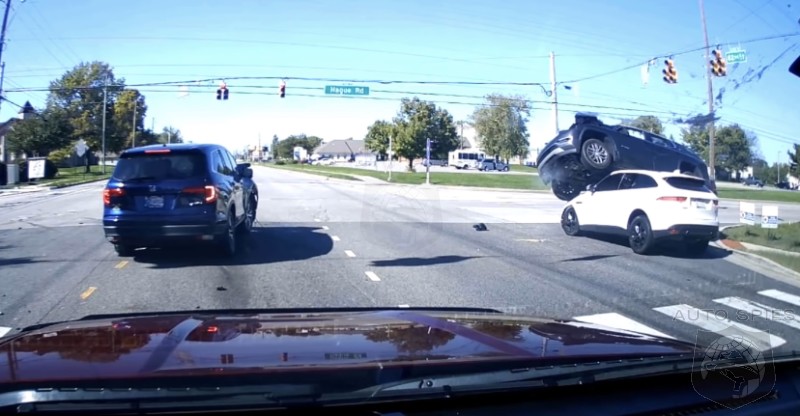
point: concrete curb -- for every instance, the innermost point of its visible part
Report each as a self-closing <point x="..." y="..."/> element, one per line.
<point x="754" y="256"/>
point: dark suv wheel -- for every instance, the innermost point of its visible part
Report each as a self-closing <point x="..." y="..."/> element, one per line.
<point x="227" y="240"/>
<point x="595" y="153"/>
<point x="565" y="190"/>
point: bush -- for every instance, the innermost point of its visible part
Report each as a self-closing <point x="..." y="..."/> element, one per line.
<point x="50" y="170"/>
<point x="61" y="157"/>
<point x="280" y="162"/>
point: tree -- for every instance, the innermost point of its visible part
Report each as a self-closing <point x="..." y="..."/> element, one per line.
<point x="170" y="134"/>
<point x="377" y="138"/>
<point x="418" y="121"/>
<point x="285" y="147"/>
<point x="733" y="148"/>
<point x="79" y="92"/>
<point x="647" y="123"/>
<point x="41" y="134"/>
<point x="129" y="109"/>
<point x="501" y="125"/>
<point x="275" y="146"/>
<point x="794" y="160"/>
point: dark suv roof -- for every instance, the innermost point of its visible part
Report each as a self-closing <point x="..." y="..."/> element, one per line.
<point x="173" y="146"/>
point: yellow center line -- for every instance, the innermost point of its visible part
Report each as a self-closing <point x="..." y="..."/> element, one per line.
<point x="88" y="292"/>
<point x="121" y="264"/>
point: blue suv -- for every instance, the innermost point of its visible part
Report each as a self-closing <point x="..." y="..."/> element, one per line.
<point x="164" y="193"/>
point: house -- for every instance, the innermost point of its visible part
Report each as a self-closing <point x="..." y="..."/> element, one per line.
<point x="25" y="113"/>
<point x="345" y="150"/>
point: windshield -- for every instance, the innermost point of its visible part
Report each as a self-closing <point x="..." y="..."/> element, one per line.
<point x="379" y="159"/>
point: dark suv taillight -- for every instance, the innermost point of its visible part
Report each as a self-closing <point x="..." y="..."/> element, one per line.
<point x="208" y="193"/>
<point x="109" y="193"/>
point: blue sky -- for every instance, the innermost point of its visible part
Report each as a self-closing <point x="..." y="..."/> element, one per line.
<point x="150" y="41"/>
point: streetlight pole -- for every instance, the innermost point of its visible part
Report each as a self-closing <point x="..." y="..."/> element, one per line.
<point x="711" y="152"/>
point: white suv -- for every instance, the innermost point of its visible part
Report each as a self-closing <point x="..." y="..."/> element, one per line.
<point x="647" y="207"/>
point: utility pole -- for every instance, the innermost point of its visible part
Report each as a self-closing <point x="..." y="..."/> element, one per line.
<point x="711" y="156"/>
<point x="260" y="149"/>
<point x="553" y="89"/>
<point x="390" y="157"/>
<point x="133" y="137"/>
<point x="2" y="77"/>
<point x="105" y="104"/>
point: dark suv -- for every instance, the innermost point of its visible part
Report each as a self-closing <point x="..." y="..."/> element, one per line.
<point x="163" y="193"/>
<point x="589" y="150"/>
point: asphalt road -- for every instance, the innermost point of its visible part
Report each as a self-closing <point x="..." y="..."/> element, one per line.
<point x="325" y="243"/>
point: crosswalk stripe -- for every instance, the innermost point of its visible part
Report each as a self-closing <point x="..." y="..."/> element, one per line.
<point x="711" y="321"/>
<point x="781" y="296"/>
<point x="759" y="310"/>
<point x="615" y="320"/>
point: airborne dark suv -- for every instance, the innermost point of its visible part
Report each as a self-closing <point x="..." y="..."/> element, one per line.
<point x="589" y="150"/>
<point x="163" y="193"/>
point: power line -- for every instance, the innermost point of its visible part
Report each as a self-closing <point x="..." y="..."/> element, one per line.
<point x="684" y="52"/>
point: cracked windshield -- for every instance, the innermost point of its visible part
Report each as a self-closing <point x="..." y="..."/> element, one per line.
<point x="447" y="196"/>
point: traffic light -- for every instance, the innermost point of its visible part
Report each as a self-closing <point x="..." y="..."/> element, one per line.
<point x="670" y="73"/>
<point x="222" y="91"/>
<point x="718" y="65"/>
<point x="282" y="88"/>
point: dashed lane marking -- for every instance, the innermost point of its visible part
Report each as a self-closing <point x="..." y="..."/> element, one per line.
<point x="335" y="238"/>
<point x="4" y="330"/>
<point x="121" y="264"/>
<point x="88" y="292"/>
<point x="372" y="276"/>
<point x="349" y="253"/>
<point x="325" y="227"/>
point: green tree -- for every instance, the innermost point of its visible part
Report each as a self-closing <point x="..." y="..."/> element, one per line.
<point x="41" y="134"/>
<point x="501" y="125"/>
<point x="170" y="134"/>
<point x="377" y="138"/>
<point x="733" y="147"/>
<point x="274" y="147"/>
<point x="285" y="147"/>
<point x="129" y="109"/>
<point x="647" y="123"/>
<point x="794" y="160"/>
<point x="79" y="92"/>
<point x="417" y="121"/>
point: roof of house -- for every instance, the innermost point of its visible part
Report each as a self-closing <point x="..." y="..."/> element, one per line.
<point x="349" y="146"/>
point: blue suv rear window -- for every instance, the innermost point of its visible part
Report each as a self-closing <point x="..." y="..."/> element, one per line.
<point x="160" y="166"/>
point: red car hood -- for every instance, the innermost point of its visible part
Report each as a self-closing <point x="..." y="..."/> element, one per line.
<point x="211" y="342"/>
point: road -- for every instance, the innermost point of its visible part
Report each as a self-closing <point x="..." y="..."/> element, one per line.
<point x="326" y="243"/>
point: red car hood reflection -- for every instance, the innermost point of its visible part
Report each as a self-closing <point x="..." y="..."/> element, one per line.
<point x="145" y="346"/>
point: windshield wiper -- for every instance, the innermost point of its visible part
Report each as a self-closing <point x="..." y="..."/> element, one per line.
<point x="155" y="398"/>
<point x="542" y="376"/>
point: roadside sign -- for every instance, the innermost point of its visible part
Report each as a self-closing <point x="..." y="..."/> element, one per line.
<point x="346" y="90"/>
<point x="36" y="168"/>
<point x="747" y="213"/>
<point x="81" y="148"/>
<point x="736" y="56"/>
<point x="769" y="216"/>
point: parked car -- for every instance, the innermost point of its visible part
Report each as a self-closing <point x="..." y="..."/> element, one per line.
<point x="492" y="164"/>
<point x="751" y="181"/>
<point x="589" y="150"/>
<point x="648" y="207"/>
<point x="162" y="193"/>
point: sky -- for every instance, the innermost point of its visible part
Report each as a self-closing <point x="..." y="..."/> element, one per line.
<point x="599" y="48"/>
